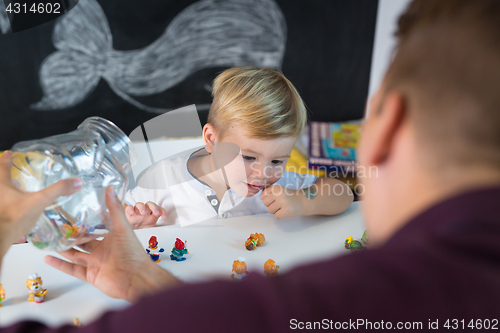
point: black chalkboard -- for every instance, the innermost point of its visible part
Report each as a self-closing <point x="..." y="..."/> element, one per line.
<point x="129" y="61"/>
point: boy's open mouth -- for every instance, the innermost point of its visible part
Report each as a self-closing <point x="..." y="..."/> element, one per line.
<point x="253" y="187"/>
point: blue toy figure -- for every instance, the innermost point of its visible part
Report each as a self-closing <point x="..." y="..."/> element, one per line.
<point x="153" y="250"/>
<point x="178" y="251"/>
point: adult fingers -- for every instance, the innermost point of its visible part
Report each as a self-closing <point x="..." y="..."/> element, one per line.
<point x="47" y="196"/>
<point x="77" y="271"/>
<point x="76" y="257"/>
<point x="115" y="210"/>
<point x="89" y="246"/>
<point x="5" y="168"/>
<point x="21" y="240"/>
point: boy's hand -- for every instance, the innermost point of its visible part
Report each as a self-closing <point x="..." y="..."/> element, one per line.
<point x="283" y="202"/>
<point x="144" y="215"/>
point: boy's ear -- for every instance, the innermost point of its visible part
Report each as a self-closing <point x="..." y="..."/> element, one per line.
<point x="209" y="136"/>
<point x="389" y="119"/>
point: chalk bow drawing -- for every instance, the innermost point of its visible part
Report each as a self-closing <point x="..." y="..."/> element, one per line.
<point x="208" y="33"/>
<point x="4" y="19"/>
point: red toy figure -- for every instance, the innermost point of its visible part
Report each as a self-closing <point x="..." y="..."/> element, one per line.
<point x="153" y="250"/>
<point x="179" y="250"/>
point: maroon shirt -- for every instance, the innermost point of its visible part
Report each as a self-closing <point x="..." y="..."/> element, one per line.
<point x="442" y="265"/>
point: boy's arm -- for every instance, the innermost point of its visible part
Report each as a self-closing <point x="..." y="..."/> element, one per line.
<point x="327" y="196"/>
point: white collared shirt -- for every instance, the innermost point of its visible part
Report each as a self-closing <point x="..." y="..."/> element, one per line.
<point x="188" y="200"/>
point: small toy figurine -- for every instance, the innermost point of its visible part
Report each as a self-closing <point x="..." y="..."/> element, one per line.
<point x="73" y="231"/>
<point x="179" y="250"/>
<point x="353" y="245"/>
<point x="239" y="269"/>
<point x="364" y="238"/>
<point x="254" y="240"/>
<point x="153" y="250"/>
<point x="77" y="322"/>
<point x="34" y="284"/>
<point x="2" y="295"/>
<point x="270" y="268"/>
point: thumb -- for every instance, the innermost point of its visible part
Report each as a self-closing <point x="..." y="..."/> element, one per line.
<point x="63" y="187"/>
<point x="115" y="209"/>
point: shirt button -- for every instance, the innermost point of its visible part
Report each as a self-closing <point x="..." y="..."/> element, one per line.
<point x="208" y="192"/>
<point x="214" y="202"/>
<point x="223" y="215"/>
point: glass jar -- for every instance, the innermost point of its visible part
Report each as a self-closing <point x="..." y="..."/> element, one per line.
<point x="98" y="152"/>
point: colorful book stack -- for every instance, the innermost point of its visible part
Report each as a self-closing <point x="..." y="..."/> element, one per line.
<point x="332" y="146"/>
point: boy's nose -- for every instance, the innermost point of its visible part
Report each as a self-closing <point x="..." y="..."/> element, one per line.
<point x="260" y="174"/>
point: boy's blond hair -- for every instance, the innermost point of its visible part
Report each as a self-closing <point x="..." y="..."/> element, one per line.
<point x="261" y="100"/>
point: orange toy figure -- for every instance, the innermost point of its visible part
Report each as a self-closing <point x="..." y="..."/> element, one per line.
<point x="74" y="231"/>
<point x="77" y="322"/>
<point x="2" y="295"/>
<point x="254" y="240"/>
<point x="239" y="269"/>
<point x="34" y="284"/>
<point x="270" y="268"/>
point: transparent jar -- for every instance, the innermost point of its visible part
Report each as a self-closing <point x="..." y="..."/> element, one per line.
<point x="98" y="152"/>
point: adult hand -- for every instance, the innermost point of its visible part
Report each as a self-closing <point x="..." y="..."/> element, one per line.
<point x="117" y="265"/>
<point x="19" y="210"/>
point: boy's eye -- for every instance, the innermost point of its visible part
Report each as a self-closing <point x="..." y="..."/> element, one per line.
<point x="248" y="158"/>
<point x="276" y="162"/>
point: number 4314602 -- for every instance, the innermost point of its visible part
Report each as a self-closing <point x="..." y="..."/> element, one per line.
<point x="473" y="324"/>
<point x="39" y="8"/>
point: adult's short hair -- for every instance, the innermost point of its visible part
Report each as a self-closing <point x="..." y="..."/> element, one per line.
<point x="447" y="66"/>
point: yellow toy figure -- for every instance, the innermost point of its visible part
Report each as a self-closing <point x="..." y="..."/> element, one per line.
<point x="270" y="268"/>
<point x="77" y="322"/>
<point x="254" y="240"/>
<point x="34" y="284"/>
<point x="2" y="295"/>
<point x="239" y="269"/>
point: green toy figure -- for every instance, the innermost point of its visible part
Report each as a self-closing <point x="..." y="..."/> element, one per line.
<point x="2" y="295"/>
<point x="178" y="251"/>
<point x="353" y="245"/>
<point x="364" y="238"/>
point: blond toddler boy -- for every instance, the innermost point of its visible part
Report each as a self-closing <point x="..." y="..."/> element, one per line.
<point x="260" y="112"/>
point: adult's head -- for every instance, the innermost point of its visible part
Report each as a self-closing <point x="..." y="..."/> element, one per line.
<point x="433" y="128"/>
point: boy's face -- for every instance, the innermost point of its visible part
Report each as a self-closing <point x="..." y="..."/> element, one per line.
<point x="264" y="161"/>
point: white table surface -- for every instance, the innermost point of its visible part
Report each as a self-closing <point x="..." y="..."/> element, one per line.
<point x="213" y="246"/>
